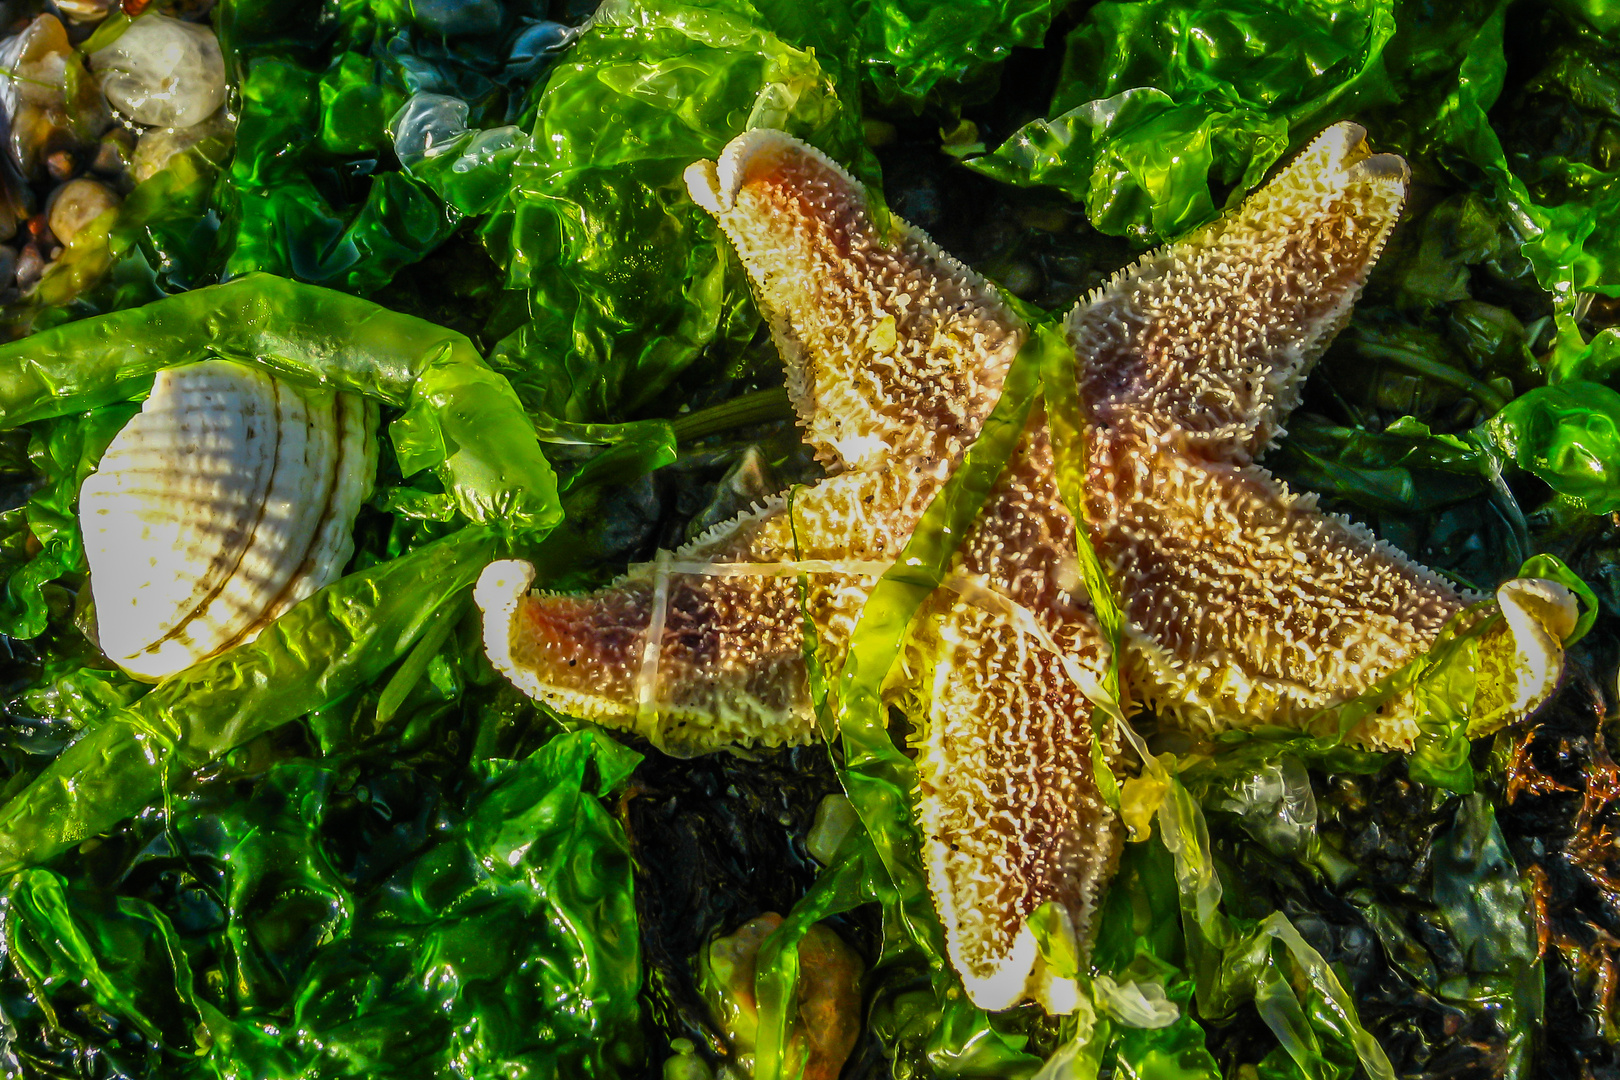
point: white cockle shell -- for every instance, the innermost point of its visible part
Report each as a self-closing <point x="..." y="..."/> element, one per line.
<point x="230" y="497"/>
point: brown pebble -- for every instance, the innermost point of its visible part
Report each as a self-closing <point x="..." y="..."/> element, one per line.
<point x="824" y="1033"/>
<point x="60" y="165"/>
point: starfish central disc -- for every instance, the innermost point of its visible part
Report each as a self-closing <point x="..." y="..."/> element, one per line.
<point x="1244" y="603"/>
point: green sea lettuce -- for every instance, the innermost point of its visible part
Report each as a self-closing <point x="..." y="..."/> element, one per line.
<point x="497" y="945"/>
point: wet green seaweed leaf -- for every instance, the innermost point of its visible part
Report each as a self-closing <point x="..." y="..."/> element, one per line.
<point x="1569" y="435"/>
<point x="498" y="945"/>
<point x="915" y="50"/>
<point x="334" y="209"/>
<point x="331" y="644"/>
<point x="1161" y="99"/>
<point x="630" y="282"/>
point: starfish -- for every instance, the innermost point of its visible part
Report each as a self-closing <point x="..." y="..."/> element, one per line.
<point x="1244" y="603"/>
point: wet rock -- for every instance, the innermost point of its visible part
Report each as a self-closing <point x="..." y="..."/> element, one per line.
<point x="748" y="483"/>
<point x="114" y="153"/>
<point x="60" y="165"/>
<point x="76" y="204"/>
<point x="456" y="17"/>
<point x="189" y="10"/>
<point x="159" y="146"/>
<point x="163" y="72"/>
<point x="8" y="266"/>
<point x="1021" y="279"/>
<point x="30" y="265"/>
<point x="13" y="207"/>
<point x="37" y="230"/>
<point x="878" y="133"/>
<point x="38" y="58"/>
<point x="684" y="1064"/>
<point x="829" y="1015"/>
<point x="835" y="819"/>
<point x="86" y="11"/>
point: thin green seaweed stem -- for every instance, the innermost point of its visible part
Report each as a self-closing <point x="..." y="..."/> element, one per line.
<point x="745" y="410"/>
<point x="1422" y="365"/>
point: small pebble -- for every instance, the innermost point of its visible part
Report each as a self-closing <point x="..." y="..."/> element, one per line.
<point x="159" y="146"/>
<point x="86" y="11"/>
<point x="1020" y="279"/>
<point x="189" y="10"/>
<point x="30" y="265"/>
<point x="11" y="213"/>
<point x="1052" y="219"/>
<point x="684" y="1064"/>
<point x="163" y="72"/>
<point x="114" y="153"/>
<point x="835" y="819"/>
<point x="453" y="17"/>
<point x="60" y="165"/>
<point x="828" y="1023"/>
<point x="76" y="204"/>
<point x="38" y="58"/>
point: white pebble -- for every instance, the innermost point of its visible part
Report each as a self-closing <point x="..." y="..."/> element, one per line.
<point x="163" y="72"/>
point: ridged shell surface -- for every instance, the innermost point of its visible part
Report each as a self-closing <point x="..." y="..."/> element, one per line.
<point x="230" y="497"/>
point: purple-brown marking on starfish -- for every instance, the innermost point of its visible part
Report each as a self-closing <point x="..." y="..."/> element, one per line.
<point x="1245" y="603"/>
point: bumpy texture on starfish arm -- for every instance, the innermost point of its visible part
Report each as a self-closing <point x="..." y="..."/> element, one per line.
<point x="895" y="355"/>
<point x="1245" y="603"/>
<point x="1007" y="804"/>
<point x="704" y="649"/>
<point x="1203" y="345"/>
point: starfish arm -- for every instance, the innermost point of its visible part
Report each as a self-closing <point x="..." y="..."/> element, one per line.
<point x="1006" y="797"/>
<point x="1248" y="606"/>
<point x="588" y="656"/>
<point x="1206" y="342"/>
<point x="894" y="349"/>
<point x="726" y="612"/>
<point x="1010" y="812"/>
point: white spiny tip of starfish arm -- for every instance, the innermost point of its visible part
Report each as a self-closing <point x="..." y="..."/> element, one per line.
<point x="714" y="186"/>
<point x="1540" y="614"/>
<point x="1336" y="160"/>
<point x="500" y="589"/>
<point x="1344" y="145"/>
<point x="703" y="183"/>
<point x="1006" y="985"/>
